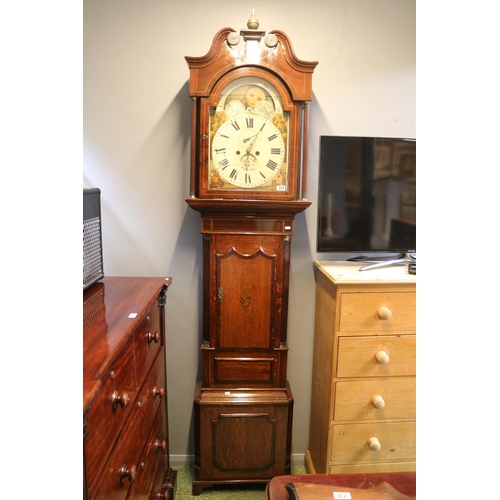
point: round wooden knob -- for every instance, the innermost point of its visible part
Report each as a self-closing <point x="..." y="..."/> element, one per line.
<point x="128" y="473"/>
<point x="119" y="399"/>
<point x="160" y="445"/>
<point x="384" y="313"/>
<point x="153" y="337"/>
<point x="378" y="402"/>
<point x="158" y="392"/>
<point x="382" y="358"/>
<point x="374" y="444"/>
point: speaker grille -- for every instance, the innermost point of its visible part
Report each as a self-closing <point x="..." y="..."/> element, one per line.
<point x="92" y="257"/>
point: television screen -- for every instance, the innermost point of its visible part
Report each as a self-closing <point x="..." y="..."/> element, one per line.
<point x="367" y="195"/>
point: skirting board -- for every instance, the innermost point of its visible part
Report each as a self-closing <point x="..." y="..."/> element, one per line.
<point x="186" y="460"/>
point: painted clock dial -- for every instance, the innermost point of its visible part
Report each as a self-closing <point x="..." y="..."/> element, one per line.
<point x="249" y="138"/>
<point x="248" y="151"/>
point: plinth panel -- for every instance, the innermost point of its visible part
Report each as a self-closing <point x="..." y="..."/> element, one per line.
<point x="244" y="441"/>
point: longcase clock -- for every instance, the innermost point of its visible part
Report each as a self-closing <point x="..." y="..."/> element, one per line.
<point x="250" y="96"/>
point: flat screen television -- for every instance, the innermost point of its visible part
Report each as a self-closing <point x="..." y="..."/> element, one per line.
<point x="367" y="196"/>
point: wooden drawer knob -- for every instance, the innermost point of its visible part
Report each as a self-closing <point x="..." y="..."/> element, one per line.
<point x="158" y="392"/>
<point x="160" y="445"/>
<point x="384" y="313"/>
<point x="374" y="444"/>
<point x="382" y="358"/>
<point x="127" y="473"/>
<point x="378" y="402"/>
<point x="153" y="337"/>
<point x="117" y="399"/>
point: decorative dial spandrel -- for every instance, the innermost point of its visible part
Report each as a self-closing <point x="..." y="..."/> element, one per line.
<point x="249" y="138"/>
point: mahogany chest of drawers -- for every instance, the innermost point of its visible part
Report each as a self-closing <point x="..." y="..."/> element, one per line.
<point x="125" y="418"/>
<point x="363" y="397"/>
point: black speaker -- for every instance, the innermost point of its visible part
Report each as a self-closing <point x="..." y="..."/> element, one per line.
<point x="92" y="237"/>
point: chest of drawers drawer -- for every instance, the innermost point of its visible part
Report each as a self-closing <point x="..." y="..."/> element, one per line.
<point x="375" y="400"/>
<point x="377" y="356"/>
<point x="373" y="442"/>
<point x="377" y="312"/>
<point x="147" y="340"/>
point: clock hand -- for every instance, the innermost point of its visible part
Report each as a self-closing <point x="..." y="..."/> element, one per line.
<point x="248" y="138"/>
<point x="250" y="146"/>
<point x="246" y="160"/>
<point x="253" y="137"/>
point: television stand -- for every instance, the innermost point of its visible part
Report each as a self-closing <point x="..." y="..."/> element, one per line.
<point x="402" y="258"/>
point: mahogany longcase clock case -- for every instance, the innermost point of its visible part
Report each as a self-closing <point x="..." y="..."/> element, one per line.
<point x="250" y="96"/>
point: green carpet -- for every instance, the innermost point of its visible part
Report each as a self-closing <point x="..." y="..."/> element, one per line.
<point x="221" y="492"/>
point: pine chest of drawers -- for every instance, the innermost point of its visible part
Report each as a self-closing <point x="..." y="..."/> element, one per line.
<point x="363" y="401"/>
<point x="125" y="390"/>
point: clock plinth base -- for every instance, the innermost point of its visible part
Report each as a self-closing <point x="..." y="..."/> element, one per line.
<point x="241" y="435"/>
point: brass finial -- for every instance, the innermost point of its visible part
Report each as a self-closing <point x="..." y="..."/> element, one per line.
<point x="253" y="23"/>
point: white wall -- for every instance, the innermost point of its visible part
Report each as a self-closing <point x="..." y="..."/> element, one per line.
<point x="136" y="134"/>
